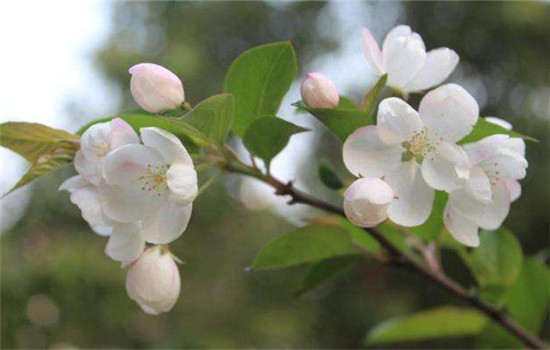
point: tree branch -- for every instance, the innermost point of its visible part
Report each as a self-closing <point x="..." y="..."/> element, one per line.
<point x="439" y="278"/>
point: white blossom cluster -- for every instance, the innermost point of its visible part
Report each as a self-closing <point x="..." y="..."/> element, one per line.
<point x="409" y="154"/>
<point x="138" y="189"/>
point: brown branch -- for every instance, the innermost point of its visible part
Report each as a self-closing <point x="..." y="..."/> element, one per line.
<point x="438" y="277"/>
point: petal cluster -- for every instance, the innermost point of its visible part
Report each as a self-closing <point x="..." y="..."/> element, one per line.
<point x="404" y="59"/>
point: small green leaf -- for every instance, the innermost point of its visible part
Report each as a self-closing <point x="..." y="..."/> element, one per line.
<point x="370" y="99"/>
<point x="324" y="271"/>
<point x="258" y="79"/>
<point x="433" y="227"/>
<point x="266" y="137"/>
<point x="32" y="140"/>
<point x="497" y="261"/>
<point x="342" y="120"/>
<point x="307" y="245"/>
<point x="484" y="128"/>
<point x="527" y="301"/>
<point x="441" y="322"/>
<point x="329" y="177"/>
<point x="213" y="117"/>
<point x="177" y="126"/>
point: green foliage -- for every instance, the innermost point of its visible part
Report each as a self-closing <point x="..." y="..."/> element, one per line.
<point x="441" y="322"/>
<point x="432" y="228"/>
<point x="306" y="245"/>
<point x="324" y="271"/>
<point x="496" y="263"/>
<point x="527" y="301"/>
<point x="32" y="140"/>
<point x="371" y="98"/>
<point x="484" y="128"/>
<point x="342" y="120"/>
<point x="258" y="79"/>
<point x="329" y="177"/>
<point x="266" y="137"/>
<point x="46" y="148"/>
<point x="213" y="117"/>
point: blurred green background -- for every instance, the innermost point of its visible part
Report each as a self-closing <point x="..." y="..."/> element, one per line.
<point x="59" y="290"/>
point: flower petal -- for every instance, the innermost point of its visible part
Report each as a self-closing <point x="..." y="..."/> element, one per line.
<point x="413" y="203"/>
<point x="514" y="189"/>
<point x="461" y="228"/>
<point x="497" y="210"/>
<point x="167" y="144"/>
<point x="95" y="141"/>
<point x="73" y="183"/>
<point x="439" y="64"/>
<point x="129" y="204"/>
<point x="372" y="52"/>
<point x="168" y="223"/>
<point x="365" y="154"/>
<point x="125" y="244"/>
<point x="397" y="121"/>
<point x="121" y="134"/>
<point x="125" y="165"/>
<point x="87" y="199"/>
<point x="366" y="201"/>
<point x="499" y="122"/>
<point x="403" y="54"/>
<point x="505" y="165"/>
<point x="182" y="182"/>
<point x="447" y="169"/>
<point x="89" y="169"/>
<point x="449" y="112"/>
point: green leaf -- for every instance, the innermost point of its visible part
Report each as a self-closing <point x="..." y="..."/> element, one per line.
<point x="46" y="148"/>
<point x="497" y="261"/>
<point x="213" y="117"/>
<point x="177" y="126"/>
<point x="324" y="271"/>
<point x="266" y="137"/>
<point x="433" y="227"/>
<point x="370" y="99"/>
<point x="342" y="120"/>
<point x="329" y="177"/>
<point x="306" y="245"/>
<point x="441" y="322"/>
<point x="258" y="79"/>
<point x="527" y="301"/>
<point x="484" y="128"/>
<point x="45" y="164"/>
<point x="32" y="140"/>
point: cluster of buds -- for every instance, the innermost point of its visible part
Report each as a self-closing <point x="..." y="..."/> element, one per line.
<point x="139" y="190"/>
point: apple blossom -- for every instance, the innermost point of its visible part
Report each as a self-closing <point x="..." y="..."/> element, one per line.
<point x="404" y="59"/>
<point x="319" y="91"/>
<point x="415" y="152"/>
<point x="153" y="281"/>
<point x="366" y="201"/>
<point x="155" y="88"/>
<point x="154" y="183"/>
<point x="496" y="164"/>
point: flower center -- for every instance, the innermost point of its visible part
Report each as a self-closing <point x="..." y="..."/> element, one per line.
<point x="154" y="179"/>
<point x="493" y="173"/>
<point x="420" y="145"/>
<point x="101" y="149"/>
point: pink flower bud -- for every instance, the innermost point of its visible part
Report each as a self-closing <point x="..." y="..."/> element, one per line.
<point x="366" y="201"/>
<point x="319" y="91"/>
<point x="153" y="281"/>
<point x="155" y="88"/>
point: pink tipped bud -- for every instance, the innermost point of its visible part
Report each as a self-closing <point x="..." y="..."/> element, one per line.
<point x="155" y="88"/>
<point x="366" y="201"/>
<point x="319" y="91"/>
<point x="153" y="281"/>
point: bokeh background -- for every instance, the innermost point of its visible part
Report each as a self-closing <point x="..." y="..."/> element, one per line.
<point x="65" y="63"/>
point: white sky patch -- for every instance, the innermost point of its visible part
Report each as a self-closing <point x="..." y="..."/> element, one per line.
<point x="45" y="61"/>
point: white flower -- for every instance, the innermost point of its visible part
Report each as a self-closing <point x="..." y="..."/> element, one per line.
<point x="154" y="184"/>
<point x="497" y="162"/>
<point x="405" y="141"/>
<point x="97" y="142"/>
<point x="366" y="201"/>
<point x="155" y="88"/>
<point x="153" y="281"/>
<point x="319" y="91"/>
<point x="404" y="59"/>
